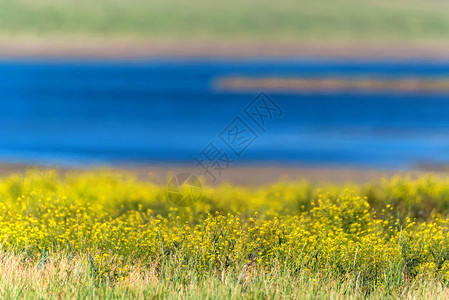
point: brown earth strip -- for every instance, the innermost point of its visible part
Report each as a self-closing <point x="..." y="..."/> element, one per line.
<point x="137" y="48"/>
<point x="245" y="175"/>
<point x="332" y="84"/>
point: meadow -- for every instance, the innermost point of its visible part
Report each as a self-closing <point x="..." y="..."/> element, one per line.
<point x="243" y="19"/>
<point x="108" y="234"/>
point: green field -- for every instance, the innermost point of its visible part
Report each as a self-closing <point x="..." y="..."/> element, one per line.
<point x="233" y="19"/>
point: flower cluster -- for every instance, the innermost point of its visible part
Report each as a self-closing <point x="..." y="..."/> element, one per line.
<point x="397" y="230"/>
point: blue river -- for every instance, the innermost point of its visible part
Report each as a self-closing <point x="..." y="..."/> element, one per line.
<point x="161" y="111"/>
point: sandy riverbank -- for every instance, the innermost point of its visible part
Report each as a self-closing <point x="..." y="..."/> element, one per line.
<point x="242" y="175"/>
<point x="292" y="85"/>
<point x="129" y="48"/>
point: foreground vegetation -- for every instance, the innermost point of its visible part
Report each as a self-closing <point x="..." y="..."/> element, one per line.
<point x="104" y="234"/>
<point x="286" y="19"/>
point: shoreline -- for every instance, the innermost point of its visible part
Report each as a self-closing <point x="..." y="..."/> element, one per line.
<point x="251" y="175"/>
<point x="138" y="49"/>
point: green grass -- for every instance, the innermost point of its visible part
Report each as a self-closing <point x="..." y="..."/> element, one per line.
<point x="234" y="19"/>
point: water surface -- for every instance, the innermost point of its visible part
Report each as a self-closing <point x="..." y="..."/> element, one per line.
<point x="75" y="112"/>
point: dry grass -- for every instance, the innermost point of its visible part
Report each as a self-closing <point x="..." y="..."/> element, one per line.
<point x="63" y="277"/>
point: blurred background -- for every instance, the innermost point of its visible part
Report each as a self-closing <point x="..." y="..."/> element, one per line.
<point x="359" y="86"/>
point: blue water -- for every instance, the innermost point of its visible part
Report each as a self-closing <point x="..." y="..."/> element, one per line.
<point x="169" y="111"/>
